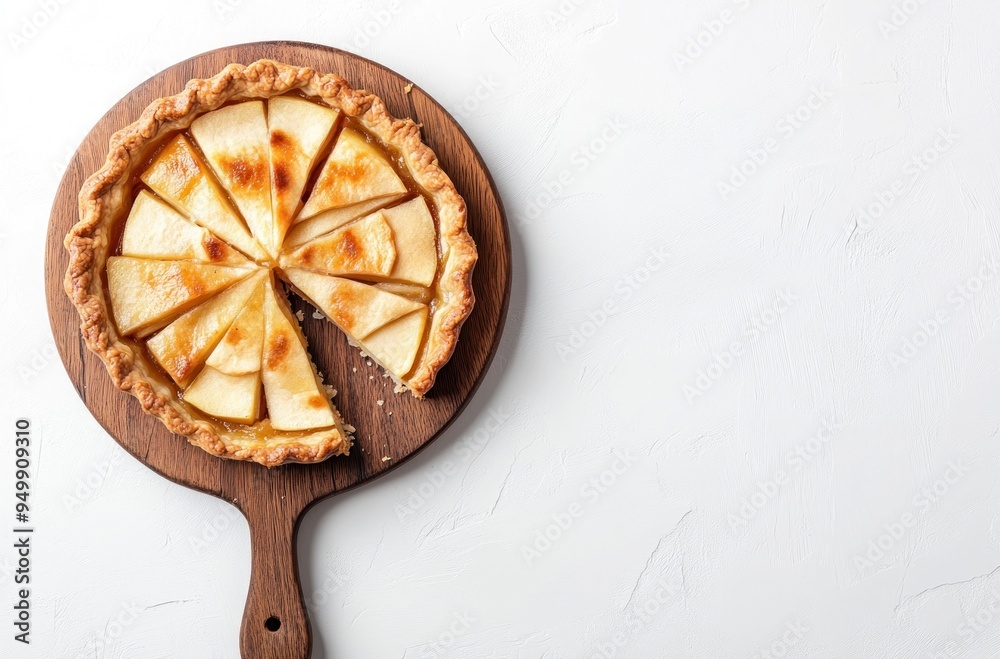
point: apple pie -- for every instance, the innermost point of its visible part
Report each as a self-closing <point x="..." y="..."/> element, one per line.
<point x="263" y="180"/>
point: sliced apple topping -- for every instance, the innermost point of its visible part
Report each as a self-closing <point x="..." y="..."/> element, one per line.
<point x="364" y="248"/>
<point x="414" y="237"/>
<point x="218" y="324"/>
<point x="184" y="345"/>
<point x="154" y="230"/>
<point x="387" y="326"/>
<point x="296" y="399"/>
<point x="355" y="171"/>
<point x="298" y="129"/>
<point x="179" y="176"/>
<point x="229" y="385"/>
<point x="332" y="219"/>
<point x="395" y="346"/>
<point x="234" y="140"/>
<point x="239" y="351"/>
<point x="229" y="397"/>
<point x="358" y="309"/>
<point x="145" y="293"/>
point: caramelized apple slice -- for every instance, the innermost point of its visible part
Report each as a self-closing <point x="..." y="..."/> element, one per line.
<point x="395" y="346"/>
<point x="364" y="248"/>
<point x="179" y="176"/>
<point x="332" y="219"/>
<point x="414" y="235"/>
<point x="358" y="309"/>
<point x="184" y="345"/>
<point x="229" y="397"/>
<point x="298" y="130"/>
<point x="296" y="399"/>
<point x="154" y="230"/>
<point x="238" y="353"/>
<point x="355" y="171"/>
<point x="234" y="140"/>
<point x="145" y="293"/>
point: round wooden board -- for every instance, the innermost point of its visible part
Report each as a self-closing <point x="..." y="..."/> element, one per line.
<point x="273" y="500"/>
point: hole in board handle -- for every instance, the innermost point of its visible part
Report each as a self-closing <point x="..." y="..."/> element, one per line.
<point x="272" y="624"/>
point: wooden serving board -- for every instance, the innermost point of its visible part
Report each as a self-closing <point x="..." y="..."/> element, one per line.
<point x="275" y="500"/>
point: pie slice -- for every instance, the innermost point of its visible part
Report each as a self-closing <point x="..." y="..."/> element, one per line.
<point x="358" y="309"/>
<point x="332" y="219"/>
<point x="365" y="248"/>
<point x="229" y="397"/>
<point x="179" y="176"/>
<point x="414" y="234"/>
<point x="395" y="346"/>
<point x="298" y="129"/>
<point x="154" y="230"/>
<point x="234" y="140"/>
<point x="239" y="351"/>
<point x="184" y="345"/>
<point x="296" y="398"/>
<point x="147" y="293"/>
<point x="386" y="326"/>
<point x="355" y="171"/>
<point x="228" y="387"/>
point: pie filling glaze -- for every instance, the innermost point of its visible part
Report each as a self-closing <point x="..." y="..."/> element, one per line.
<point x="265" y="179"/>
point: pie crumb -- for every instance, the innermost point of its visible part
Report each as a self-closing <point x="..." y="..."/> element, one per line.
<point x="317" y="315"/>
<point x="371" y="377"/>
<point x="354" y="369"/>
<point x="368" y="362"/>
<point x="380" y="402"/>
<point x="386" y="459"/>
<point x="390" y="412"/>
<point x="408" y="88"/>
<point x="301" y="316"/>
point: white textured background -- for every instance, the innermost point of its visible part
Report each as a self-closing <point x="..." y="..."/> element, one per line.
<point x="738" y="524"/>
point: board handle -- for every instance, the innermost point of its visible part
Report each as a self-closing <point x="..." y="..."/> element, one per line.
<point x="275" y="620"/>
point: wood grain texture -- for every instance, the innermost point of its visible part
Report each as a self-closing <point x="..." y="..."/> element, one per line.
<point x="274" y="500"/>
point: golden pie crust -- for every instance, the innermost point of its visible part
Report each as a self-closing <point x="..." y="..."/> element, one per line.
<point x="105" y="195"/>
